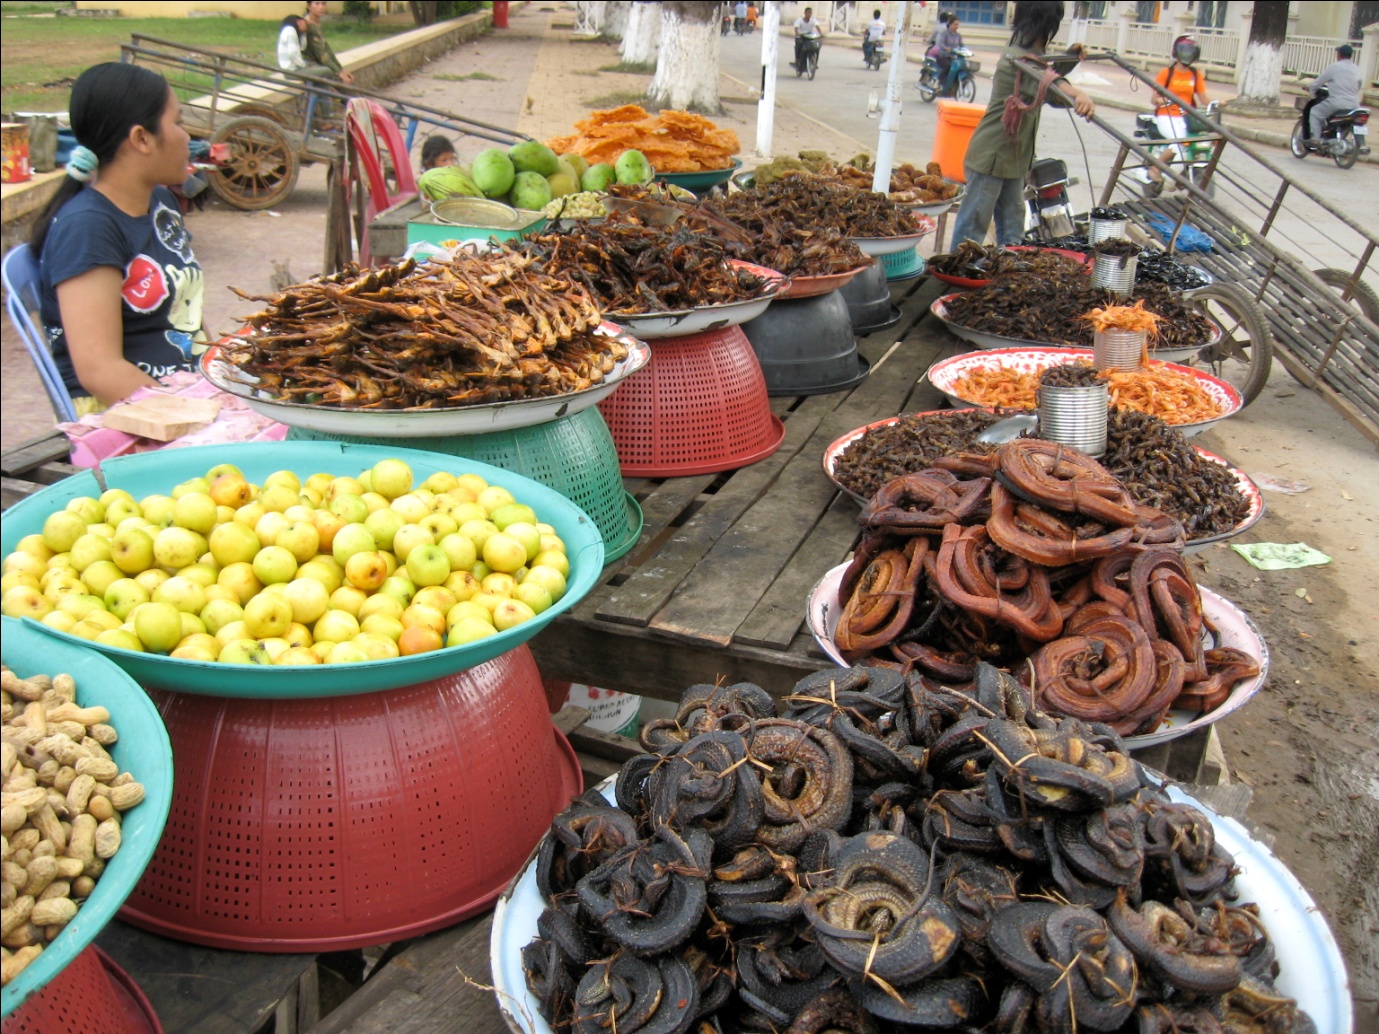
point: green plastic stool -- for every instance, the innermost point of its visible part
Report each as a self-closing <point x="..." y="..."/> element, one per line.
<point x="574" y="456"/>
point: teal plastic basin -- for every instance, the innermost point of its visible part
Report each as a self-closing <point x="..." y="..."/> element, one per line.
<point x="158" y="472"/>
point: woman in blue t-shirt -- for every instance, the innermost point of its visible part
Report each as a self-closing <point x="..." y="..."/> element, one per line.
<point x="120" y="290"/>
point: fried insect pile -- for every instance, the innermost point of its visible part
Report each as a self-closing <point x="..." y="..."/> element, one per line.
<point x="781" y="241"/>
<point x="973" y="261"/>
<point x="1156" y="463"/>
<point x="1035" y="558"/>
<point x="1049" y="308"/>
<point x="632" y="269"/>
<point x="819" y="202"/>
<point x="878" y="852"/>
<point x="468" y="331"/>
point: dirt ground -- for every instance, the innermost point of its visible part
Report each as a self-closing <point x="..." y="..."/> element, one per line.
<point x="1306" y="744"/>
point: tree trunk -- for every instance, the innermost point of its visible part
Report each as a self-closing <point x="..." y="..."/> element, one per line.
<point x="615" y="19"/>
<point x="423" y="11"/>
<point x="642" y="33"/>
<point x="687" y="66"/>
<point x="1262" y="69"/>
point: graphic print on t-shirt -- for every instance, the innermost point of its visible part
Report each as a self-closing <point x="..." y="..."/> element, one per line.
<point x="172" y="231"/>
<point x="145" y="287"/>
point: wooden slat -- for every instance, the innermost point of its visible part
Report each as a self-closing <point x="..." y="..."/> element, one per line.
<point x="197" y="990"/>
<point x="48" y="448"/>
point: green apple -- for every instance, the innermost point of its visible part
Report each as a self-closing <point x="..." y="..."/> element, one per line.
<point x="274" y="564"/>
<point x="121" y="639"/>
<point x="243" y="651"/>
<point x="196" y="511"/>
<point x="381" y="624"/>
<point x="102" y="619"/>
<point x="104" y="530"/>
<point x="24" y="602"/>
<point x="227" y="634"/>
<point x="175" y="548"/>
<point x="58" y="583"/>
<point x="80" y="604"/>
<point x="427" y="564"/>
<point x="376" y="647"/>
<point x="89" y="510"/>
<point x="319" y="572"/>
<point x="534" y="595"/>
<point x="391" y="478"/>
<point x="59" y="620"/>
<point x="100" y="575"/>
<point x="366" y="570"/>
<point x="352" y="539"/>
<point x="467" y="630"/>
<point x="186" y="595"/>
<point x="494" y="497"/>
<point x="131" y="550"/>
<point x="511" y="613"/>
<point x="192" y="625"/>
<point x="348" y="599"/>
<point x="399" y="586"/>
<point x="203" y="572"/>
<point x="526" y="534"/>
<point x="158" y="626"/>
<point x="121" y="509"/>
<point x="296" y="656"/>
<point x="512" y="513"/>
<point x="346" y="653"/>
<point x="240" y="579"/>
<point x="233" y="543"/>
<point x="307" y="597"/>
<point x="548" y="577"/>
<point x="374" y="501"/>
<point x="550" y="558"/>
<point x="383" y="525"/>
<point x="266" y="616"/>
<point x="61" y="529"/>
<point x="88" y="549"/>
<point x="301" y="539"/>
<point x="123" y="596"/>
<point x="408" y="537"/>
<point x="349" y="508"/>
<point x="502" y="552"/>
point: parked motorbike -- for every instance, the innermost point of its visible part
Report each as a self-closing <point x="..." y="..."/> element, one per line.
<point x="808" y="63"/>
<point x="1344" y="137"/>
<point x="873" y="53"/>
<point x="963" y="74"/>
<point x="1049" y="209"/>
<point x="1191" y="150"/>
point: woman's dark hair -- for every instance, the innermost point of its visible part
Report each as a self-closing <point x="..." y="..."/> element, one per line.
<point x="944" y="17"/>
<point x="292" y="20"/>
<point x="108" y="101"/>
<point x="1036" y="22"/>
<point x="433" y="148"/>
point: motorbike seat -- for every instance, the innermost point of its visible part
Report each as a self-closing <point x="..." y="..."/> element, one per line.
<point x="1345" y="116"/>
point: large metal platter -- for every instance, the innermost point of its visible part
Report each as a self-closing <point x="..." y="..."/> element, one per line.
<point x="982" y="339"/>
<point x="677" y="323"/>
<point x="424" y="423"/>
<point x="1033" y="359"/>
<point x="934" y="208"/>
<point x="877" y="246"/>
<point x="1234" y="628"/>
<point x="1311" y="969"/>
<point x="1243" y="484"/>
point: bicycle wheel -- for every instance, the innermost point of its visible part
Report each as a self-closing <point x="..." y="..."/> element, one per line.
<point x="967" y="89"/>
<point x="1245" y="353"/>
<point x="1363" y="297"/>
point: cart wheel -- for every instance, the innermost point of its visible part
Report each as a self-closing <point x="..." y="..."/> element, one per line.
<point x="262" y="167"/>
<point x="1363" y="297"/>
<point x="260" y="111"/>
<point x="1245" y="352"/>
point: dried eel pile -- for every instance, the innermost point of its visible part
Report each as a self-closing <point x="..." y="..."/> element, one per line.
<point x="879" y="852"/>
<point x="477" y="329"/>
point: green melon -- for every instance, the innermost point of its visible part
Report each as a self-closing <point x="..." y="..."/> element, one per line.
<point x="493" y="172"/>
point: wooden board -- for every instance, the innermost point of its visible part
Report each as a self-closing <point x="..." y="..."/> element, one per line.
<point x="164" y="418"/>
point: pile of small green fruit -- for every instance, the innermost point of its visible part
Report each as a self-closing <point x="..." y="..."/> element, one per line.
<point x="529" y="175"/>
<point x="331" y="570"/>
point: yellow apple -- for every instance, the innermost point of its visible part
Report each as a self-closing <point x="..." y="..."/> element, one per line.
<point x="196" y="511"/>
<point x="230" y="489"/>
<point x="233" y="543"/>
<point x="349" y="508"/>
<point x="277" y="498"/>
<point x="408" y="537"/>
<point x="549" y="578"/>
<point x="381" y="624"/>
<point x="274" y="564"/>
<point x="382" y="603"/>
<point x="131" y="550"/>
<point x="504" y="553"/>
<point x="511" y="613"/>
<point x="343" y="486"/>
<point x="240" y="579"/>
<point x="419" y="640"/>
<point x="186" y="595"/>
<point x="267" y="616"/>
<point x="366" y="570"/>
<point x="411" y="506"/>
<point x="467" y="630"/>
<point x="439" y="525"/>
<point x="158" y="626"/>
<point x="437" y="596"/>
<point x="376" y="647"/>
<point x="441" y="481"/>
<point x="425" y="617"/>
<point x="61" y="529"/>
<point x="121" y="639"/>
<point x="301" y="539"/>
<point x="268" y="526"/>
<point x="243" y="651"/>
<point x="59" y="620"/>
<point x="175" y="548"/>
<point x="498" y="583"/>
<point x="346" y="653"/>
<point x="250" y="513"/>
<point x="535" y="596"/>
<point x="297" y="655"/>
<point x="307" y="597"/>
<point x="24" y="602"/>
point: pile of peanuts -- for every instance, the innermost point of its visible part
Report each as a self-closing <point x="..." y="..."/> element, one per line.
<point x="61" y="800"/>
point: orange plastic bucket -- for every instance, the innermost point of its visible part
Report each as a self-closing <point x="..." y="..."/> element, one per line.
<point x="956" y="123"/>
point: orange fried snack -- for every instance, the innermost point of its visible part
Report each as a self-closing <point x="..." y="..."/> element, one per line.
<point x="673" y="141"/>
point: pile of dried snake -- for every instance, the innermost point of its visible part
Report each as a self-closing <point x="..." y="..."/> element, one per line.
<point x="633" y="269"/>
<point x="1155" y="462"/>
<point x="468" y="331"/>
<point x="1035" y="558"/>
<point x="878" y="852"/>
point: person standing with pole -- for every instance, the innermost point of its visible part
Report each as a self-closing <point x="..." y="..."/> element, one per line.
<point x="1001" y="151"/>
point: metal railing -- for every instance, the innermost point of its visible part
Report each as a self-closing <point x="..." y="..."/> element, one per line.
<point x="1308" y="55"/>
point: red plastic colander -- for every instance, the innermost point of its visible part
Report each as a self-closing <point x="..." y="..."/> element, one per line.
<point x="91" y="994"/>
<point x="700" y="406"/>
<point x="316" y="825"/>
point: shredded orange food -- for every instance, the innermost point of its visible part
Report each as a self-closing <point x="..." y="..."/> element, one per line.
<point x="1173" y="397"/>
<point x="673" y="141"/>
<point x="1124" y="317"/>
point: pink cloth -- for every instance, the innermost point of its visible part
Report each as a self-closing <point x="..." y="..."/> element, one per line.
<point x="93" y="442"/>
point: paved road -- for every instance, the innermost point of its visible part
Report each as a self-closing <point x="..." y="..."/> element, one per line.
<point x="838" y="98"/>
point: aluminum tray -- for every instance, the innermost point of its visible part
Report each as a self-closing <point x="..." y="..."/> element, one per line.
<point x="877" y="246"/>
<point x="424" y="423"/>
<point x="677" y="323"/>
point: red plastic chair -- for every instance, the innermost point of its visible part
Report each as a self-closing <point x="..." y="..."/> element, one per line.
<point x="372" y="133"/>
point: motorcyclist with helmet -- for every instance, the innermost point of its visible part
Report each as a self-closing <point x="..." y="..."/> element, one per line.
<point x="1342" y="80"/>
<point x="1181" y="83"/>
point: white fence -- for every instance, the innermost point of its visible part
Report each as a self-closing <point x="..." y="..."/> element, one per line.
<point x="1308" y="55"/>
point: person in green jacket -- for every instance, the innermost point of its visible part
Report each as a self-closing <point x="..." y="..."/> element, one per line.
<point x="998" y="159"/>
<point x="316" y="50"/>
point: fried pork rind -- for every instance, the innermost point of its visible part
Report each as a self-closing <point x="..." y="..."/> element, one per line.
<point x="673" y="141"/>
